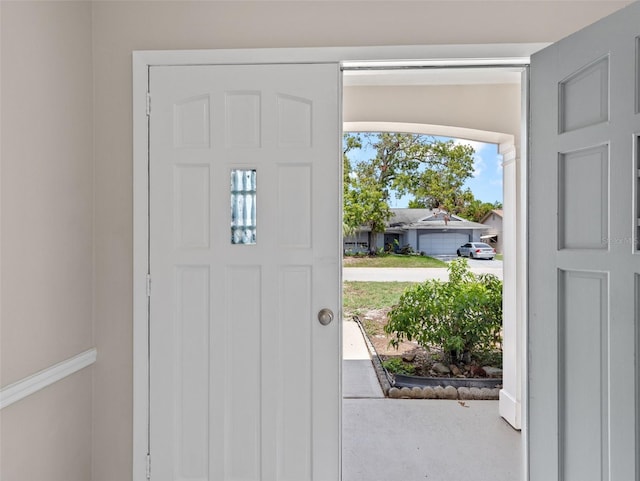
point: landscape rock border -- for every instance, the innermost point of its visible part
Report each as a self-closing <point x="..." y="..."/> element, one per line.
<point x="402" y="380"/>
<point x="426" y="392"/>
<point x="448" y="392"/>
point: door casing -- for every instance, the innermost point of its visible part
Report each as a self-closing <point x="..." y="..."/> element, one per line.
<point x="440" y="56"/>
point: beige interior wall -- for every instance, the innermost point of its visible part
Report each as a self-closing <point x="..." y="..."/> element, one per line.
<point x="46" y="229"/>
<point x="50" y="51"/>
<point x="121" y="27"/>
<point x="45" y="436"/>
<point x="47" y="177"/>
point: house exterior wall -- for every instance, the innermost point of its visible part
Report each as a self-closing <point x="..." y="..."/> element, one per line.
<point x="494" y="224"/>
<point x="121" y="27"/>
<point x="50" y="50"/>
<point x="379" y="241"/>
<point x="412" y="239"/>
<point x="46" y="224"/>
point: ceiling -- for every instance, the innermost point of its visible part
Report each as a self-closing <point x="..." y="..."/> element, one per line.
<point x="432" y="76"/>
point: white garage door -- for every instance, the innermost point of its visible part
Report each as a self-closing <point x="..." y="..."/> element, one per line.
<point x="441" y="244"/>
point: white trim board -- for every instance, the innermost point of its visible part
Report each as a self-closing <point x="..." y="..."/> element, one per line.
<point x="353" y="57"/>
<point x="34" y="383"/>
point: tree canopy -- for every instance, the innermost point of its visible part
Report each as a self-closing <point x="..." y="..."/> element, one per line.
<point x="365" y="196"/>
<point x="476" y="209"/>
<point x="432" y="171"/>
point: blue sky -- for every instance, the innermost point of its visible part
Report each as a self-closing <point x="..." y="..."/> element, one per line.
<point x="486" y="183"/>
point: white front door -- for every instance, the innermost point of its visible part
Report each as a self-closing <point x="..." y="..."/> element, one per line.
<point x="584" y="287"/>
<point x="244" y="252"/>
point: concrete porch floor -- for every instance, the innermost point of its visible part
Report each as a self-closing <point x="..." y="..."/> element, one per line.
<point x="417" y="440"/>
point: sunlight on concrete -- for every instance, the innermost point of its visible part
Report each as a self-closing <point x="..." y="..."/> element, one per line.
<point x="418" y="439"/>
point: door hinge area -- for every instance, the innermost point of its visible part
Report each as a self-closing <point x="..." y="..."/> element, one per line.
<point x="148" y="104"/>
<point x="148" y="285"/>
<point x="148" y="466"/>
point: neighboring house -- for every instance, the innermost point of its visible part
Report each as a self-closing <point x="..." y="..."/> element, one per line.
<point x="433" y="232"/>
<point x="356" y="242"/>
<point x="493" y="236"/>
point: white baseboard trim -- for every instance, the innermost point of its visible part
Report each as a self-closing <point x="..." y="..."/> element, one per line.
<point x="510" y="409"/>
<point x="31" y="384"/>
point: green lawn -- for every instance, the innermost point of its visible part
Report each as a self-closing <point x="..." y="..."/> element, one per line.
<point x="362" y="296"/>
<point x="392" y="260"/>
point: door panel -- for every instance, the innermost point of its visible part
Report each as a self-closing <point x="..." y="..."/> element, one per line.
<point x="244" y="251"/>
<point x="441" y="244"/>
<point x="584" y="258"/>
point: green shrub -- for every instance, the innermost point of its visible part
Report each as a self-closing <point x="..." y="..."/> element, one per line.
<point x="461" y="316"/>
<point x="407" y="250"/>
<point x="398" y="366"/>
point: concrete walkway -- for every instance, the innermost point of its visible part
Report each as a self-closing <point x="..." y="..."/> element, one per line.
<point x="418" y="439"/>
<point x="359" y="380"/>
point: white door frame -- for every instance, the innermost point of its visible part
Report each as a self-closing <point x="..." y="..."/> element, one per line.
<point x="437" y="56"/>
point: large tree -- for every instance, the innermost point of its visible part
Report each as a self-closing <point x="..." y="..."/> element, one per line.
<point x="365" y="197"/>
<point x="431" y="170"/>
<point x="437" y="181"/>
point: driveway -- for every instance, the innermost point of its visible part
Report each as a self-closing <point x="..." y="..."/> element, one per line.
<point x="417" y="274"/>
<point x="475" y="263"/>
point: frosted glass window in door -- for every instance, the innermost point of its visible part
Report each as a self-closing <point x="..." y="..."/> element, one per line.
<point x="243" y="206"/>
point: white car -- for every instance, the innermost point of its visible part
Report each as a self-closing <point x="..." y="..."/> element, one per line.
<point x="476" y="250"/>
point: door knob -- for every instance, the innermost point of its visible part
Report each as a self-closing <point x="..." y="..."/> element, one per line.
<point x="325" y="316"/>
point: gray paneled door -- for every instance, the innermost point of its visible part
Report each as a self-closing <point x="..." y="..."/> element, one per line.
<point x="584" y="254"/>
<point x="244" y="183"/>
